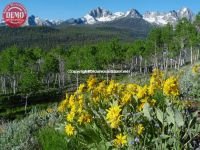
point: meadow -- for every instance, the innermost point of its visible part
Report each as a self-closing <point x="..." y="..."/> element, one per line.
<point x="159" y="113"/>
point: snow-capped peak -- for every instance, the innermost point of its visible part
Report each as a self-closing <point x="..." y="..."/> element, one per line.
<point x="184" y="9"/>
<point x="37" y="21"/>
<point x="100" y="12"/>
<point x="101" y="15"/>
<point x="133" y="13"/>
<point x="172" y="17"/>
<point x="185" y="13"/>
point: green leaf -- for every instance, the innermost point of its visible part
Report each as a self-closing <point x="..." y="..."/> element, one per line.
<point x="102" y="146"/>
<point x="164" y="136"/>
<point x="146" y="111"/>
<point x="192" y="122"/>
<point x="108" y="144"/>
<point x="179" y="118"/>
<point x="160" y="115"/>
<point x="170" y="116"/>
<point x="125" y="111"/>
<point x="171" y="140"/>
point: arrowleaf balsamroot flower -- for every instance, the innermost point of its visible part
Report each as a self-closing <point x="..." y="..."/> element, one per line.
<point x="156" y="81"/>
<point x="71" y="101"/>
<point x="139" y="129"/>
<point x="70" y="116"/>
<point x="113" y="116"/>
<point x="69" y="129"/>
<point x="196" y="69"/>
<point x="91" y="83"/>
<point x="126" y="98"/>
<point x="112" y="87"/>
<point x="62" y="106"/>
<point x="81" y="88"/>
<point x="84" y="118"/>
<point x="120" y="140"/>
<point x="132" y="88"/>
<point x="142" y="91"/>
<point x="170" y="87"/>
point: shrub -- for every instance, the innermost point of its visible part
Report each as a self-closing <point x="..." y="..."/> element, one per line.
<point x="190" y="83"/>
<point x="20" y="134"/>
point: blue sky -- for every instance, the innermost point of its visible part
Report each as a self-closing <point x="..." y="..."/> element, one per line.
<point x="64" y="9"/>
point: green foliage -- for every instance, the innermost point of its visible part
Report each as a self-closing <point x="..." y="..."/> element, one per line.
<point x="29" y="82"/>
<point x="160" y="115"/>
<point x="50" y="139"/>
<point x="21" y="134"/>
<point x="48" y="38"/>
<point x="190" y="85"/>
<point x="146" y="111"/>
<point x="51" y="64"/>
<point x="90" y="137"/>
<point x="175" y="130"/>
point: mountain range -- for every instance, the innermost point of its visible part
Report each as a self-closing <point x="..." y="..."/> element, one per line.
<point x="100" y="15"/>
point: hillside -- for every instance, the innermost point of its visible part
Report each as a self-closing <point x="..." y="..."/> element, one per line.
<point x="66" y="35"/>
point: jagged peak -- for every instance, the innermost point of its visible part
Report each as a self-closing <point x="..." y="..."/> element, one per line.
<point x="133" y="13"/>
<point x="99" y="12"/>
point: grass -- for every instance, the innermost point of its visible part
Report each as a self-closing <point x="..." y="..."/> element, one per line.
<point x="19" y="112"/>
<point x="50" y="139"/>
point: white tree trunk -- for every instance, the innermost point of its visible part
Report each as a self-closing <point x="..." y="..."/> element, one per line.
<point x="191" y="53"/>
<point x="141" y="59"/>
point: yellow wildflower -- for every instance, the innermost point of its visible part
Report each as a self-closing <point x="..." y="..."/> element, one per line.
<point x="139" y="129"/>
<point x="70" y="116"/>
<point x="112" y="87"/>
<point x="87" y="118"/>
<point x="196" y="69"/>
<point x="96" y="99"/>
<point x="115" y="123"/>
<point x="80" y="88"/>
<point x="153" y="102"/>
<point x="80" y="99"/>
<point x="171" y="87"/>
<point x="95" y="96"/>
<point x="142" y="92"/>
<point x="80" y="109"/>
<point x="156" y="79"/>
<point x="113" y="116"/>
<point x="142" y="102"/>
<point x="120" y="140"/>
<point x="71" y="101"/>
<point x="132" y="88"/>
<point x="69" y="129"/>
<point x="101" y="87"/>
<point x="151" y="90"/>
<point x="84" y="118"/>
<point x="91" y="83"/>
<point x="120" y="88"/>
<point x="62" y="106"/>
<point x="126" y="98"/>
<point x="73" y="108"/>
